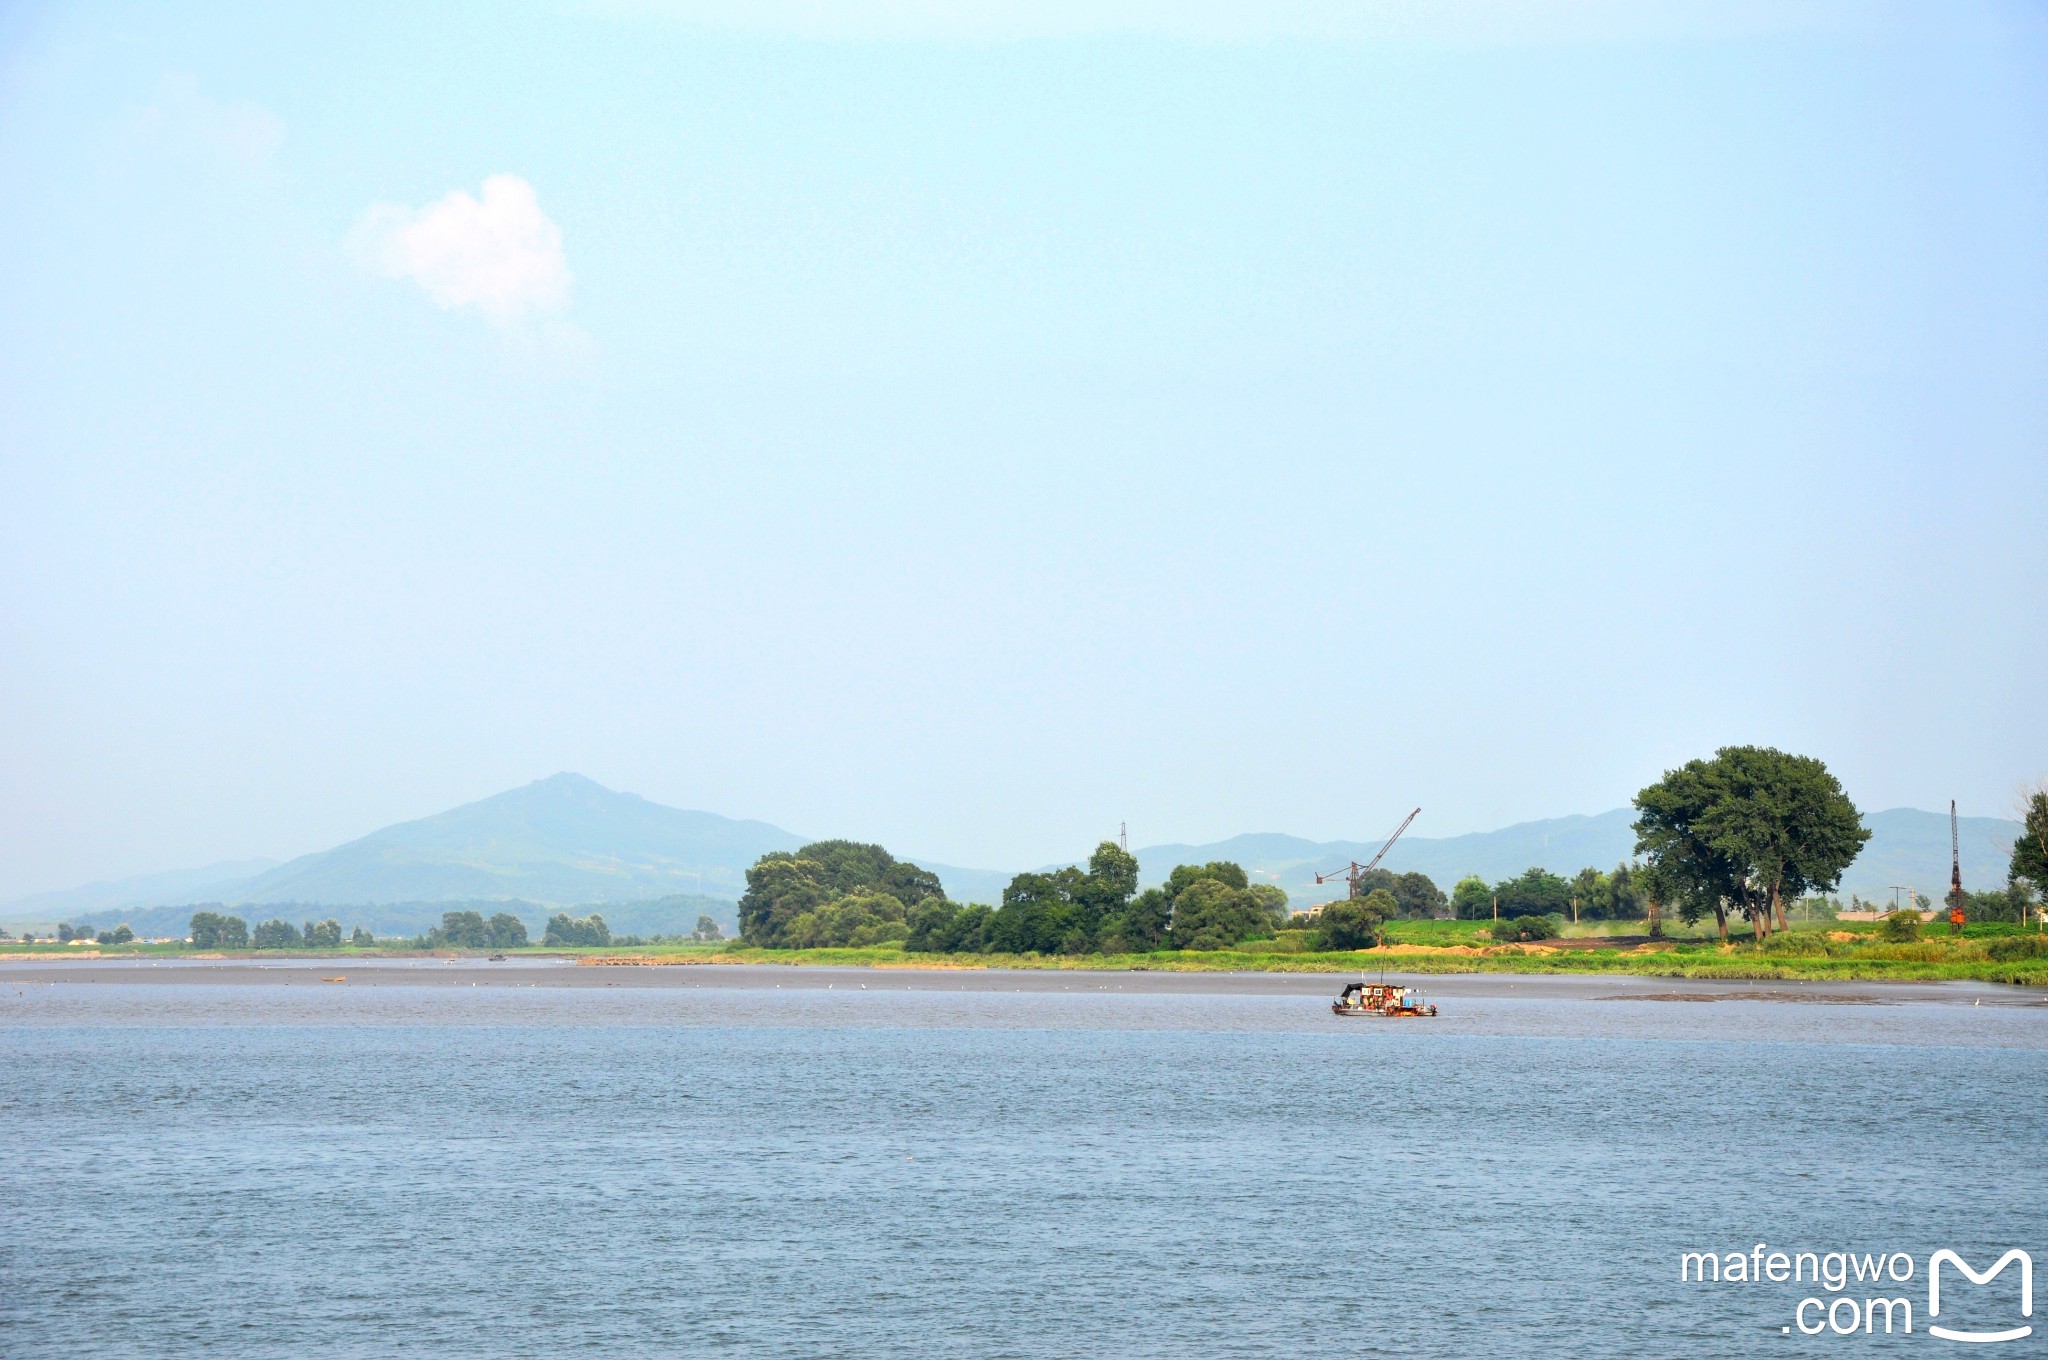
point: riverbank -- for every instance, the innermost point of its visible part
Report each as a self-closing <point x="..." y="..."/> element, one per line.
<point x="516" y="973"/>
<point x="1922" y="961"/>
<point x="1985" y="954"/>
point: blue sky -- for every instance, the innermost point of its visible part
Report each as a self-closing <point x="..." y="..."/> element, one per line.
<point x="969" y="427"/>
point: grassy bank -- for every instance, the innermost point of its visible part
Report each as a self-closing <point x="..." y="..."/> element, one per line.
<point x="1819" y="952"/>
<point x="1985" y="954"/>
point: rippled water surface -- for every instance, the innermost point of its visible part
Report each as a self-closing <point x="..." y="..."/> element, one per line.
<point x="281" y="1169"/>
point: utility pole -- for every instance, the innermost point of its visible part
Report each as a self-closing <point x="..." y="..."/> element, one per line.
<point x="1123" y="836"/>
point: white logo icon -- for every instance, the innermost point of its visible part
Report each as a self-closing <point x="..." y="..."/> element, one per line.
<point x="2026" y="1293"/>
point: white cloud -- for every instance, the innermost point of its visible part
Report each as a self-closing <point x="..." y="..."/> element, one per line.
<point x="497" y="253"/>
<point x="183" y="120"/>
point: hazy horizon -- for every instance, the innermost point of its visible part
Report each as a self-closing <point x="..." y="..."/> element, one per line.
<point x="970" y="430"/>
<point x="517" y="825"/>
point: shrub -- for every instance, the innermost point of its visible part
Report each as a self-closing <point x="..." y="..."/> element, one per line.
<point x="1356" y="923"/>
<point x="1523" y="928"/>
<point x="1902" y="924"/>
<point x="2018" y="947"/>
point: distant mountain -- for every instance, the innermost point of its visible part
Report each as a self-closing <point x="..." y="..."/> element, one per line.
<point x="1906" y="847"/>
<point x="74" y="904"/>
<point x="675" y="915"/>
<point x="568" y="841"/>
<point x="1559" y="844"/>
<point x="1910" y="848"/>
<point x="564" y="839"/>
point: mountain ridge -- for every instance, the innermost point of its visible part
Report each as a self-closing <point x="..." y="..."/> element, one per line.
<point x="569" y="841"/>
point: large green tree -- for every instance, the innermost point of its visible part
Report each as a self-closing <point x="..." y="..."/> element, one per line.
<point x="566" y="931"/>
<point x="1356" y="922"/>
<point x="1745" y="831"/>
<point x="217" y="930"/>
<point x="1071" y="910"/>
<point x="2030" y="848"/>
<point x="1416" y="896"/>
<point x="1472" y="899"/>
<point x="1044" y="914"/>
<point x="274" y="934"/>
<point x="1536" y="892"/>
<point x="1211" y="914"/>
<point x="833" y="893"/>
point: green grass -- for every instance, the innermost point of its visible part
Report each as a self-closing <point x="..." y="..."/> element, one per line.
<point x="1819" y="952"/>
<point x="1877" y="962"/>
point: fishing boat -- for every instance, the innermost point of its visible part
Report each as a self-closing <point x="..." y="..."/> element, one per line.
<point x="1382" y="999"/>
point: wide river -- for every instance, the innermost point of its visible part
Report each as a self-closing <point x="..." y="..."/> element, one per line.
<point x="535" y="1159"/>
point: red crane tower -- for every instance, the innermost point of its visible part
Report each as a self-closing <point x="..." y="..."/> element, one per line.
<point x="1956" y="915"/>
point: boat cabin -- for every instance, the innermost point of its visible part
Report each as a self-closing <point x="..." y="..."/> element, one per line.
<point x="1381" y="999"/>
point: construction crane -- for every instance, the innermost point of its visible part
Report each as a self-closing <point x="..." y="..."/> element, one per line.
<point x="1355" y="873"/>
<point x="1956" y="915"/>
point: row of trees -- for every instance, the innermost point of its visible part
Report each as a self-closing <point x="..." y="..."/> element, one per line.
<point x="1099" y="910"/>
<point x="848" y="893"/>
<point x="458" y="930"/>
<point x="66" y="933"/>
<point x="217" y="930"/>
<point x="1739" y="835"/>
<point x="569" y="932"/>
<point x="469" y="930"/>
<point x="1416" y="896"/>
<point x="1623" y="894"/>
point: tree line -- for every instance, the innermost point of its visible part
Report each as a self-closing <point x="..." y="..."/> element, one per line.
<point x="218" y="930"/>
<point x="1621" y="894"/>
<point x="467" y="929"/>
<point x="1739" y="836"/>
<point x="848" y="893"/>
<point x="66" y="933"/>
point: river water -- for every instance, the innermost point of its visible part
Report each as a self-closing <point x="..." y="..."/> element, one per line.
<point x="540" y="1161"/>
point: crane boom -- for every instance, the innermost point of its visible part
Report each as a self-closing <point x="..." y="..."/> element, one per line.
<point x="1354" y="872"/>
<point x="1391" y="839"/>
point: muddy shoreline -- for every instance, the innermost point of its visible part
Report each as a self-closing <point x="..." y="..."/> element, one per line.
<point x="543" y="972"/>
